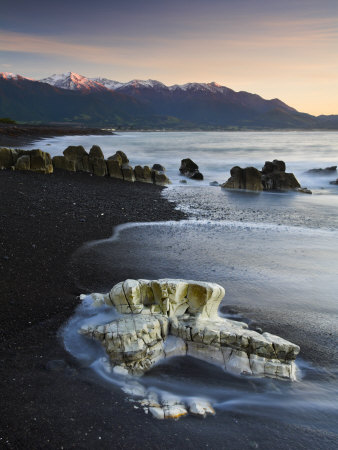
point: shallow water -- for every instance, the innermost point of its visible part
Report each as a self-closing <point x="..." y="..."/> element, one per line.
<point x="217" y="152"/>
<point x="274" y="253"/>
<point x="285" y="272"/>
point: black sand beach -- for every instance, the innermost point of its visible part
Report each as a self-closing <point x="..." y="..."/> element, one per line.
<point x="20" y="135"/>
<point x="47" y="399"/>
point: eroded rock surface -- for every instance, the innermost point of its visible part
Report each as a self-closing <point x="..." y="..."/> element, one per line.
<point x="272" y="177"/>
<point x="169" y="317"/>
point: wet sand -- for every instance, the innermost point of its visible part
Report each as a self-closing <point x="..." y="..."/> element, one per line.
<point x="47" y="399"/>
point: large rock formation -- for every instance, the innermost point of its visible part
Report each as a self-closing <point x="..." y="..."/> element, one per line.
<point x="272" y="177"/>
<point x="190" y="169"/>
<point x="75" y="158"/>
<point x="154" y="310"/>
<point x="248" y="178"/>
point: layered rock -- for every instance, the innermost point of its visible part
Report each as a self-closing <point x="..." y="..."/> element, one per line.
<point x="163" y="318"/>
<point x="272" y="177"/>
<point x="76" y="159"/>
<point x="190" y="169"/>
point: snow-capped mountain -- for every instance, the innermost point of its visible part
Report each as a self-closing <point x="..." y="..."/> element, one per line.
<point x="109" y="84"/>
<point x="73" y="82"/>
<point x="12" y="76"/>
<point x="145" y="103"/>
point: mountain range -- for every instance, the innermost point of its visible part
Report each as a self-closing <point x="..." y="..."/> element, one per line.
<point x="150" y="104"/>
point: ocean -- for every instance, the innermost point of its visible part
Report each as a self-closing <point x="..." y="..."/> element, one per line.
<point x="274" y="253"/>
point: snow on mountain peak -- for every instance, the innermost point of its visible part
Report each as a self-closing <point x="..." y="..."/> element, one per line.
<point x="72" y="81"/>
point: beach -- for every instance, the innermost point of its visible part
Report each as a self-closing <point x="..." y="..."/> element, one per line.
<point x="50" y="399"/>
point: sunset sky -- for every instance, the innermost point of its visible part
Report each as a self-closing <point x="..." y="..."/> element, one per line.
<point x="286" y="49"/>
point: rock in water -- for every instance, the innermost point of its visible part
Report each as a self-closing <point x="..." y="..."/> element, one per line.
<point x="158" y="167"/>
<point x="190" y="169"/>
<point x="155" y="311"/>
<point x="334" y="182"/>
<point x="143" y="174"/>
<point x="272" y="178"/>
<point x="248" y="178"/>
<point x="327" y="171"/>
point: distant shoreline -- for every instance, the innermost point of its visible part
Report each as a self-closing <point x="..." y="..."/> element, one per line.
<point x="20" y="135"/>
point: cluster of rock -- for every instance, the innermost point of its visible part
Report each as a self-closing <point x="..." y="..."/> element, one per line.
<point x="168" y="317"/>
<point x="164" y="405"/>
<point x="190" y="169"/>
<point x="76" y="159"/>
<point x="33" y="160"/>
<point x="272" y="177"/>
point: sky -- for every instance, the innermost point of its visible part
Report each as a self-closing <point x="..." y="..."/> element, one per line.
<point x="285" y="49"/>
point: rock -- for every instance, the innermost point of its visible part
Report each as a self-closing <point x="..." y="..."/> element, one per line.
<point x="248" y="178"/>
<point x="124" y="157"/>
<point x="98" y="166"/>
<point x="117" y="158"/>
<point x="60" y="162"/>
<point x="114" y="168"/>
<point x="128" y="173"/>
<point x="280" y="181"/>
<point x="326" y="171"/>
<point x="272" y="178"/>
<point x="96" y="152"/>
<point x="158" y="167"/>
<point x="170" y="317"/>
<point x="97" y="163"/>
<point x="183" y="181"/>
<point x="158" y="413"/>
<point x="41" y="161"/>
<point x="304" y="190"/>
<point x="274" y="166"/>
<point x="6" y="158"/>
<point x="200" y="407"/>
<point x="143" y="174"/>
<point x="78" y="154"/>
<point x="190" y="169"/>
<point x="214" y="183"/>
<point x="160" y="178"/>
<point x="23" y="163"/>
<point x="334" y="182"/>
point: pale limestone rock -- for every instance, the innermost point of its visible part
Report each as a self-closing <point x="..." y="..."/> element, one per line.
<point x="157" y="412"/>
<point x="200" y="407"/>
<point x="166" y="317"/>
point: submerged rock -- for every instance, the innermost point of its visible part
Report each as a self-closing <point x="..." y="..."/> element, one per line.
<point x="334" y="182"/>
<point x="169" y="317"/>
<point x="190" y="169"/>
<point x="326" y="171"/>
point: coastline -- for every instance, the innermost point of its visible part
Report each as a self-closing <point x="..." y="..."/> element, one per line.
<point x="48" y="399"/>
<point x="22" y="135"/>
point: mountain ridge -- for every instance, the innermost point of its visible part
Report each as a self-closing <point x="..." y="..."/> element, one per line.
<point x="148" y="104"/>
